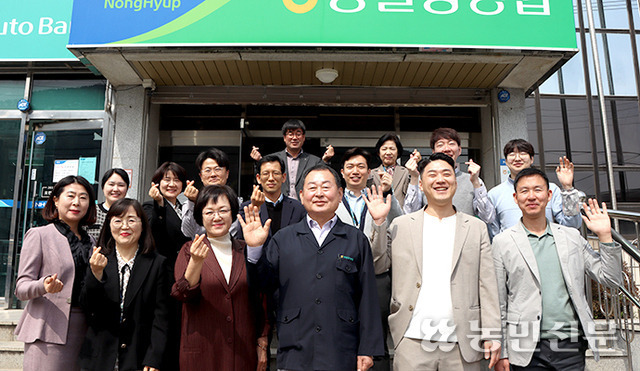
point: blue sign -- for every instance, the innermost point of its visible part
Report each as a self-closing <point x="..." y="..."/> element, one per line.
<point x="503" y="96"/>
<point x="23" y="105"/>
<point x="40" y="138"/>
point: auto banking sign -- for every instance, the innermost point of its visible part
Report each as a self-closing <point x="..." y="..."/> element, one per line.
<point x="35" y="30"/>
<point x="508" y="24"/>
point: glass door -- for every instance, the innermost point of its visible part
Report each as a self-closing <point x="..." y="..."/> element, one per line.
<point x="54" y="149"/>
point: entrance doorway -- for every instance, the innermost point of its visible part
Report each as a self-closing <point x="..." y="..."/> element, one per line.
<point x="186" y="130"/>
<point x="53" y="149"/>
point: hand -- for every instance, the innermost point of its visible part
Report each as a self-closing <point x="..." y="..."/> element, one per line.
<point x="492" y="352"/>
<point x="52" y="284"/>
<point x="191" y="192"/>
<point x="378" y="208"/>
<point x="255" y="234"/>
<point x="564" y="171"/>
<point x="597" y="220"/>
<point x="97" y="262"/>
<point x="417" y="155"/>
<point x="412" y="164"/>
<point x="257" y="197"/>
<point x="474" y="172"/>
<point x="386" y="180"/>
<point x="364" y="363"/>
<point x="255" y="154"/>
<point x="328" y="154"/>
<point x="502" y="365"/>
<point x="147" y="368"/>
<point x="199" y="250"/>
<point x="154" y="192"/>
<point x="263" y="343"/>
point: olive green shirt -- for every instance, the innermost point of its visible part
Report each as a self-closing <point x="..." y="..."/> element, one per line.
<point x="559" y="318"/>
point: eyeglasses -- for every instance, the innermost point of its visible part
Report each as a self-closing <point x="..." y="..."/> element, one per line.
<point x="292" y="134"/>
<point x="130" y="222"/>
<point x="212" y="213"/>
<point x="513" y="155"/>
<point x="275" y="174"/>
<point x="218" y="170"/>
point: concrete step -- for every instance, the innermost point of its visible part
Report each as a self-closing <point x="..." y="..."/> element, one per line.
<point x="11" y="355"/>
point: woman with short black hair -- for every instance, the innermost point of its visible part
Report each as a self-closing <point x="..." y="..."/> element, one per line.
<point x="126" y="295"/>
<point x="219" y="290"/>
<point x="114" y="184"/>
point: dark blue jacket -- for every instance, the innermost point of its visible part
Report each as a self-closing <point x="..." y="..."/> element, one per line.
<point x="328" y="311"/>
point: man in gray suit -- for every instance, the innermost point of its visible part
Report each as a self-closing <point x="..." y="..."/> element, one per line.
<point x="541" y="267"/>
<point x="444" y="306"/>
<point x="296" y="160"/>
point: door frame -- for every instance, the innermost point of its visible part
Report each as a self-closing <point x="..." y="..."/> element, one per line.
<point x="49" y="121"/>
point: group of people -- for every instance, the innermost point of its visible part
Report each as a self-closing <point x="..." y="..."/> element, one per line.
<point x="423" y="252"/>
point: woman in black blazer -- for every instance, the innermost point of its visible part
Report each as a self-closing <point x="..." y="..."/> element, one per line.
<point x="165" y="216"/>
<point x="165" y="212"/>
<point x="125" y="295"/>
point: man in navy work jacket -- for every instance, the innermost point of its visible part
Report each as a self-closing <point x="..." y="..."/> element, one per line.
<point x="328" y="316"/>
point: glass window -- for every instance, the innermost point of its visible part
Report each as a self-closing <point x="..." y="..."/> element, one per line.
<point x="615" y="13"/>
<point x="621" y="58"/>
<point x="628" y="118"/>
<point x="10" y="93"/>
<point x="552" y="134"/>
<point x="68" y="94"/>
<point x="9" y="136"/>
<point x="551" y="85"/>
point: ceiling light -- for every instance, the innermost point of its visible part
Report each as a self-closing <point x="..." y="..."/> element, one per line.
<point x="327" y="75"/>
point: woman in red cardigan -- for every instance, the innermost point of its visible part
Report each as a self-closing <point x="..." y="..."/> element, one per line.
<point x="223" y="316"/>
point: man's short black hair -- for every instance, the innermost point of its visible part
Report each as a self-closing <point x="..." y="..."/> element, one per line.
<point x="215" y="154"/>
<point x="435" y="157"/>
<point x="293" y="124"/>
<point x="356" y="151"/>
<point x="270" y="158"/>
<point x="521" y="145"/>
<point x="321" y="167"/>
<point x="530" y="172"/>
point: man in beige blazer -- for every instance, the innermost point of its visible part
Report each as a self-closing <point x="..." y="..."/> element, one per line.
<point x="546" y="319"/>
<point x="444" y="306"/>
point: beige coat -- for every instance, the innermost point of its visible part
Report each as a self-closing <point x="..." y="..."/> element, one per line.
<point x="474" y="290"/>
<point x="519" y="285"/>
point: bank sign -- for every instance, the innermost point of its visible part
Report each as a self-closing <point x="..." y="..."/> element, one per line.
<point x="35" y="30"/>
<point x="512" y="24"/>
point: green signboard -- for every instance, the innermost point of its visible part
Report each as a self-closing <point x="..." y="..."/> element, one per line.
<point x="512" y="24"/>
<point x="34" y="30"/>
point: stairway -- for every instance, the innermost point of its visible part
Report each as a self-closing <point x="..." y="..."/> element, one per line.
<point x="11" y="350"/>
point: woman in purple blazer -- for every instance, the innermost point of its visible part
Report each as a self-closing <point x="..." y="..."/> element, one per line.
<point x="53" y="263"/>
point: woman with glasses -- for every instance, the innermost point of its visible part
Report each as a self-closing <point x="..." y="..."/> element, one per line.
<point x="53" y="262"/>
<point x="115" y="183"/>
<point x="223" y="326"/>
<point x="126" y="295"/>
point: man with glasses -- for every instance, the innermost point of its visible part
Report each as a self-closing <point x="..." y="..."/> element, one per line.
<point x="563" y="208"/>
<point x="214" y="170"/>
<point x="297" y="161"/>
<point x="471" y="194"/>
<point x="282" y="210"/>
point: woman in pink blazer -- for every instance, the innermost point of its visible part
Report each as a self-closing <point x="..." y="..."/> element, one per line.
<point x="53" y="263"/>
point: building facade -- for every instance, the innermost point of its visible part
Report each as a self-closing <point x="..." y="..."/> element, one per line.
<point x="134" y="95"/>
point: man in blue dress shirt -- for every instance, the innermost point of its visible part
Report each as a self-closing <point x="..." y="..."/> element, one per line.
<point x="563" y="208"/>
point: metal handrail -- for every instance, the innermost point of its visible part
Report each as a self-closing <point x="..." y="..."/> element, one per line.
<point x="611" y="304"/>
